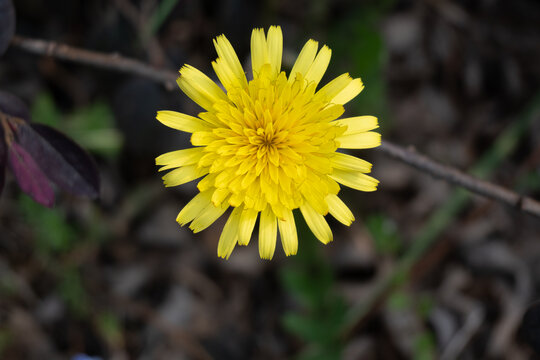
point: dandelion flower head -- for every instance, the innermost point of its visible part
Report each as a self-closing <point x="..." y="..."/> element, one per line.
<point x="267" y="144"/>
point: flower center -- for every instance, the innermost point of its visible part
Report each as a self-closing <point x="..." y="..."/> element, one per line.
<point x="265" y="139"/>
<point x="273" y="147"/>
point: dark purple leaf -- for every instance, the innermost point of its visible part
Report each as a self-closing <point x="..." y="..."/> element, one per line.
<point x="7" y="24"/>
<point x="61" y="159"/>
<point x="13" y="106"/>
<point x="3" y="159"/>
<point x="29" y="176"/>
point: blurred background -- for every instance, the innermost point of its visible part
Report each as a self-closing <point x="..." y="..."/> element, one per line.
<point x="426" y="271"/>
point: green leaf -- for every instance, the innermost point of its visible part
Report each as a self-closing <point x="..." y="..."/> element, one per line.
<point x="93" y="127"/>
<point x="44" y="111"/>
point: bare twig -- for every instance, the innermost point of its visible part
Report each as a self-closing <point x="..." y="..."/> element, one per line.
<point x="457" y="177"/>
<point x="105" y="61"/>
<point x="166" y="77"/>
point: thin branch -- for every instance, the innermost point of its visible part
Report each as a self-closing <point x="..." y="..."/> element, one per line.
<point x="457" y="177"/>
<point x="168" y="78"/>
<point x="105" y="61"/>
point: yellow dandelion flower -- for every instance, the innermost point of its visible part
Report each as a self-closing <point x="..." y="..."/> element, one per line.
<point x="268" y="145"/>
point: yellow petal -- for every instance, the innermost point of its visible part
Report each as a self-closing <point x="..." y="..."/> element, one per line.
<point x="207" y="216"/>
<point x="339" y="210"/>
<point x="279" y="208"/>
<point x="316" y="223"/>
<point x="211" y="118"/>
<point x="194" y="207"/>
<point x="259" y="51"/>
<point x="202" y="138"/>
<point x="349" y="162"/>
<point x="358" y="124"/>
<point x="363" y="140"/>
<point x="319" y="66"/>
<point x="275" y="49"/>
<point x="219" y="196"/>
<point x="355" y="180"/>
<point x="319" y="163"/>
<point x="334" y="87"/>
<point x="236" y="199"/>
<point x="199" y="87"/>
<point x="304" y="60"/>
<point x="229" y="235"/>
<point x="348" y="93"/>
<point x="207" y="182"/>
<point x="226" y="53"/>
<point x="182" y="122"/>
<point x="225" y="75"/>
<point x="314" y="195"/>
<point x="247" y="223"/>
<point x="183" y="175"/>
<point x="287" y="231"/>
<point x="179" y="158"/>
<point x="267" y="234"/>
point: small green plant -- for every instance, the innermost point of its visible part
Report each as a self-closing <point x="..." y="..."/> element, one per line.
<point x="52" y="233"/>
<point x="366" y="54"/>
<point x="54" y="237"/>
<point x="321" y="312"/>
